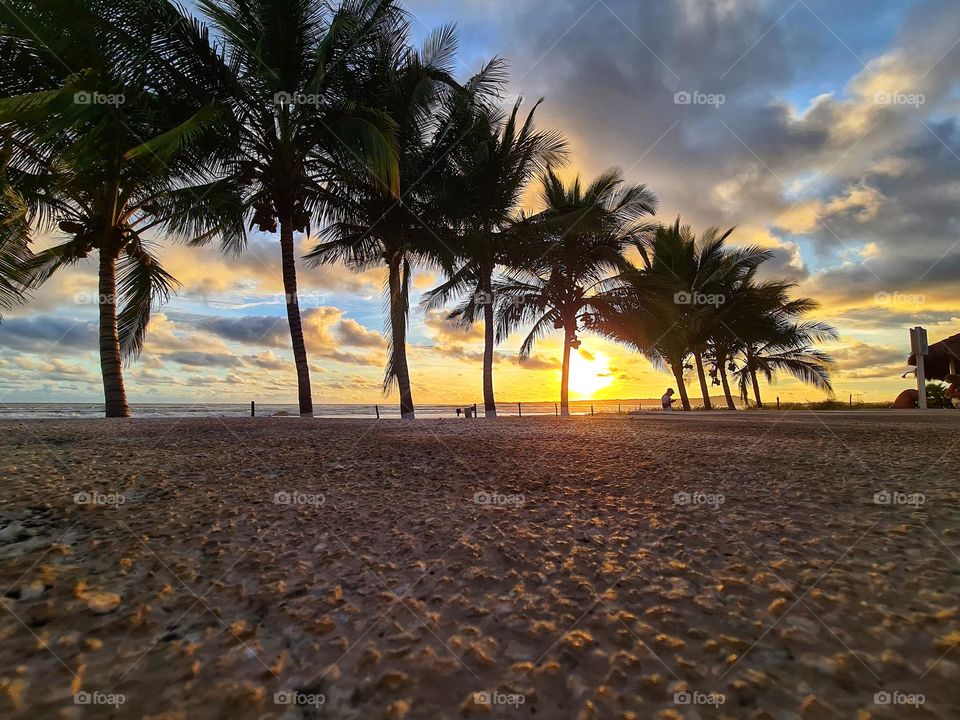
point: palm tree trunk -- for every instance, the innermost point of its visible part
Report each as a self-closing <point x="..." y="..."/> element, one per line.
<point x="681" y="388"/>
<point x="293" y="316"/>
<point x="704" y="389"/>
<point x="489" y="403"/>
<point x="565" y="373"/>
<point x="721" y="366"/>
<point x="111" y="365"/>
<point x="756" y="388"/>
<point x="398" y="331"/>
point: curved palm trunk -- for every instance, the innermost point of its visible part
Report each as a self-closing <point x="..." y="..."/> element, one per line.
<point x="756" y="388"/>
<point x="565" y="373"/>
<point x="681" y="388"/>
<point x="398" y="331"/>
<point x="111" y="366"/>
<point x="486" y="285"/>
<point x="293" y="316"/>
<point x="721" y="366"/>
<point x="704" y="389"/>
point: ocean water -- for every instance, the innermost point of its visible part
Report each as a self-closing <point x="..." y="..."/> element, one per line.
<point x="20" y="411"/>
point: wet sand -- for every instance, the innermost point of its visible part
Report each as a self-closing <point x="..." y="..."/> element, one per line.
<point x="655" y="567"/>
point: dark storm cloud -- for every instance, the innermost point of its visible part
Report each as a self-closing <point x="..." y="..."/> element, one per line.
<point x="880" y="317"/>
<point x="319" y="328"/>
<point x="755" y="159"/>
<point x="250" y="330"/>
<point x="46" y="333"/>
<point x="205" y="359"/>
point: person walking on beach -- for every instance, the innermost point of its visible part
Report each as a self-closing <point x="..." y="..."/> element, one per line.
<point x="667" y="401"/>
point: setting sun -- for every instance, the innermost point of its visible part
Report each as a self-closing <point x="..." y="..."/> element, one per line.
<point x="589" y="373"/>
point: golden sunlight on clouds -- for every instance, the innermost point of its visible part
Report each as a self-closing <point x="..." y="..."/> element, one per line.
<point x="861" y="201"/>
<point x="801" y="218"/>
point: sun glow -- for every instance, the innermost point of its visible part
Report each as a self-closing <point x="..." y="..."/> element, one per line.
<point x="589" y="373"/>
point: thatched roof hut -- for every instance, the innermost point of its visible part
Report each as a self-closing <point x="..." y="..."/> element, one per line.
<point x="942" y="360"/>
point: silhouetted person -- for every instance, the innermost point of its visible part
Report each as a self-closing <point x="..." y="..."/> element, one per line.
<point x="667" y="401"/>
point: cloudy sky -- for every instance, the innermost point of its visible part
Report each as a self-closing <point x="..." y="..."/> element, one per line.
<point x="826" y="131"/>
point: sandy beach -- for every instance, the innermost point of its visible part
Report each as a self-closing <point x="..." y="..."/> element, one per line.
<point x="748" y="566"/>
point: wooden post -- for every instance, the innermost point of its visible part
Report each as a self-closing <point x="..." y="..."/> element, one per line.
<point x="519" y="410"/>
<point x="778" y="402"/>
<point x="253" y="409"/>
<point x="851" y="401"/>
<point x="475" y="416"/>
<point x="377" y="408"/>
<point x="555" y="411"/>
<point x="618" y="409"/>
<point x="918" y="344"/>
<point x="591" y="410"/>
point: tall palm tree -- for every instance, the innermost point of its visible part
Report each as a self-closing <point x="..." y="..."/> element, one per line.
<point x="744" y="315"/>
<point x="490" y="160"/>
<point x="627" y="312"/>
<point x="285" y="75"/>
<point x="786" y="347"/>
<point x="371" y="224"/>
<point x="692" y="280"/>
<point x="104" y="157"/>
<point x="573" y="245"/>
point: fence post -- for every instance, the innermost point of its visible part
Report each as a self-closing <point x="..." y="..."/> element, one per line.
<point x="519" y="410"/>
<point x="253" y="409"/>
<point x="555" y="411"/>
<point x="377" y="408"/>
<point x="591" y="410"/>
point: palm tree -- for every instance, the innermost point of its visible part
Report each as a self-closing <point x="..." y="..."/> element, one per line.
<point x="15" y="253"/>
<point x="572" y="247"/>
<point x="627" y="312"/>
<point x="490" y="160"/>
<point x="287" y="78"/>
<point x="692" y="281"/>
<point x="373" y="224"/>
<point x="105" y="156"/>
<point x="787" y="347"/>
<point x="744" y="315"/>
